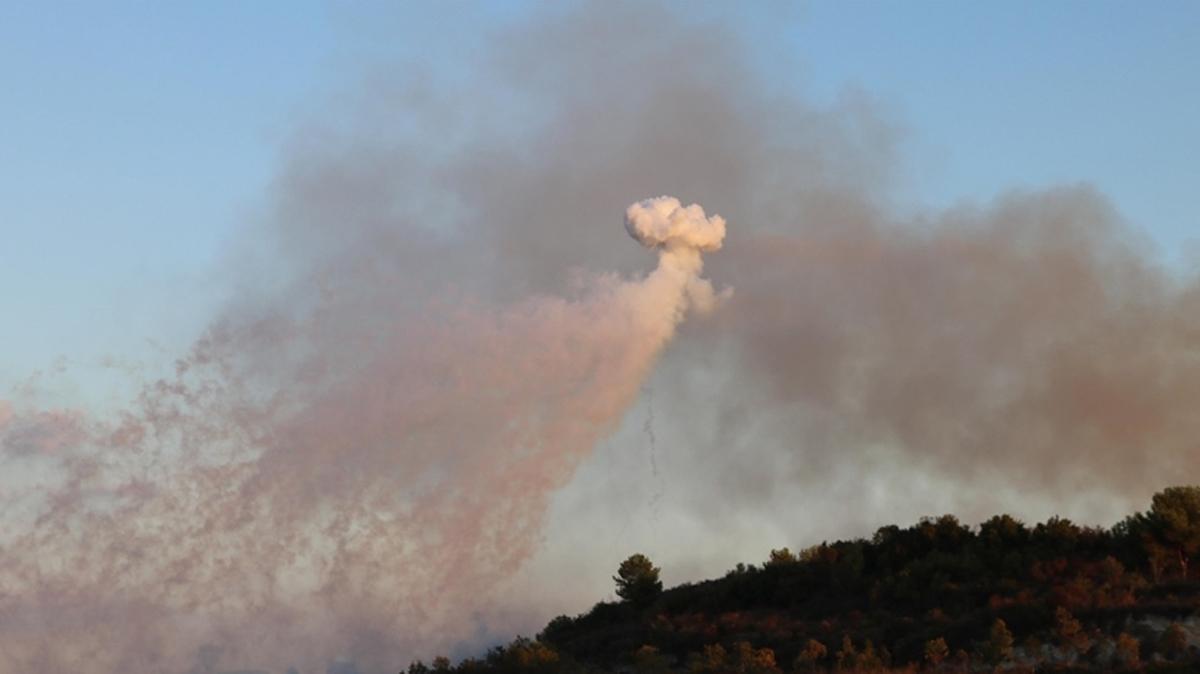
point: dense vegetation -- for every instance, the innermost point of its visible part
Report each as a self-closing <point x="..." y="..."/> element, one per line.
<point x="935" y="596"/>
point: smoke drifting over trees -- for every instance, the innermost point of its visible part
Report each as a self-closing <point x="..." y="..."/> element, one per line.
<point x="442" y="323"/>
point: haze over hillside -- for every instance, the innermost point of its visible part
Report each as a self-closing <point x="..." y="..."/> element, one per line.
<point x="937" y="596"/>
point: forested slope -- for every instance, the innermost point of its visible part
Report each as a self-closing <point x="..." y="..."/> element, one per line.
<point x="934" y="596"/>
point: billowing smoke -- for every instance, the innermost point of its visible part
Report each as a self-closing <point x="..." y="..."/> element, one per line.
<point x="378" y="435"/>
<point x="665" y="223"/>
<point x="315" y="513"/>
<point x="681" y="234"/>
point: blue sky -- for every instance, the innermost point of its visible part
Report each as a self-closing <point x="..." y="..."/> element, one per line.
<point x="137" y="138"/>
<point x="1010" y="94"/>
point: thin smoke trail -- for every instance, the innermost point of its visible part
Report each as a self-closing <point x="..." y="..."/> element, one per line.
<point x="658" y="483"/>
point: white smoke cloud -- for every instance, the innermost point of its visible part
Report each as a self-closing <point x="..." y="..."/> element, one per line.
<point x="665" y="222"/>
<point x="680" y="234"/>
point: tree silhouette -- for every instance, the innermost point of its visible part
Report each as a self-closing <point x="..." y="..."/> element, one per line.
<point x="1071" y="634"/>
<point x="813" y="653"/>
<point x="713" y="659"/>
<point x="1176" y="514"/>
<point x="782" y="556"/>
<point x="936" y="651"/>
<point x="1128" y="650"/>
<point x="1173" y="641"/>
<point x="648" y="660"/>
<point x="999" y="645"/>
<point x="637" y="580"/>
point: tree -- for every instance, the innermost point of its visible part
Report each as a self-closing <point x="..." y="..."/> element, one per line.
<point x="999" y="645"/>
<point x="813" y="653"/>
<point x="847" y="655"/>
<point x="1057" y="535"/>
<point x="949" y="534"/>
<point x="1003" y="531"/>
<point x="648" y="660"/>
<point x="750" y="660"/>
<point x="1173" y="642"/>
<point x="1142" y="532"/>
<point x="868" y="660"/>
<point x="1176" y="514"/>
<point x="712" y="660"/>
<point x="962" y="660"/>
<point x="637" y="580"/>
<point x="782" y="557"/>
<point x="524" y="655"/>
<point x="1128" y="651"/>
<point x="1071" y="634"/>
<point x="936" y="651"/>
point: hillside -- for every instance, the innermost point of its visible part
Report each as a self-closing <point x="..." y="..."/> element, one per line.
<point x="934" y="596"/>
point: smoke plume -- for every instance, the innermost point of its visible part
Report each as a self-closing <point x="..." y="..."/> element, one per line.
<point x="355" y="512"/>
<point x="380" y="443"/>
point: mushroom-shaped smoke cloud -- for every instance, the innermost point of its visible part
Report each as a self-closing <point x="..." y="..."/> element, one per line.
<point x="680" y="233"/>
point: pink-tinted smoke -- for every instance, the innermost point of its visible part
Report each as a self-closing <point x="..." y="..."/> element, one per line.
<point x="316" y="512"/>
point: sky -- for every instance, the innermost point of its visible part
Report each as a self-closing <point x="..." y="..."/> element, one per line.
<point x="358" y="270"/>
<point x="137" y="139"/>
